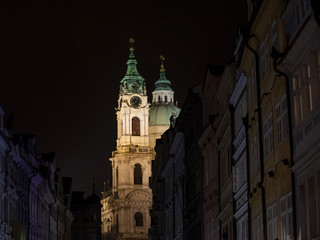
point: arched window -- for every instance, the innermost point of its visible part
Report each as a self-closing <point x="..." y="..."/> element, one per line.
<point x="137" y="174"/>
<point x="165" y="98"/>
<point x="135" y="126"/>
<point x="159" y="99"/>
<point x="138" y="219"/>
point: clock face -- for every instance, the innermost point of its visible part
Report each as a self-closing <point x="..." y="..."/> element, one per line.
<point x="135" y="101"/>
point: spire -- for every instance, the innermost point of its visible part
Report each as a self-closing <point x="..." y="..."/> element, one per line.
<point x="131" y="41"/>
<point x="162" y="65"/>
<point x="132" y="82"/>
<point x="163" y="83"/>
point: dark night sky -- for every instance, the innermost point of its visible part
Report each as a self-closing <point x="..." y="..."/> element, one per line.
<point x="61" y="64"/>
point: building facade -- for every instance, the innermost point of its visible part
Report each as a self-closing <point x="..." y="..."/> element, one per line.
<point x="224" y="136"/>
<point x="28" y="189"/>
<point x="208" y="143"/>
<point x="301" y="64"/>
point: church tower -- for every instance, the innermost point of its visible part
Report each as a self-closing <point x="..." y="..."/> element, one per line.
<point x="125" y="211"/>
<point x="125" y="207"/>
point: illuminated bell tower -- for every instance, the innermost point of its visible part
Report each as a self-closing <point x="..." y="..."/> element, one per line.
<point x="125" y="211"/>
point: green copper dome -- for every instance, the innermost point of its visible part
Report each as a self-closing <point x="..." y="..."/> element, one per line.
<point x="163" y="83"/>
<point x="163" y="106"/>
<point x="160" y="114"/>
<point x="132" y="82"/>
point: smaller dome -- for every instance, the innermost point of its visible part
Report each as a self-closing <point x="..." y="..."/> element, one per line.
<point x="93" y="199"/>
<point x="160" y="114"/>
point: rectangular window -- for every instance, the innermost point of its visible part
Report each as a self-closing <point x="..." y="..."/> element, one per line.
<point x="284" y="116"/>
<point x="297" y="99"/>
<point x="282" y="119"/>
<point x="272" y="221"/>
<point x="268" y="137"/>
<point x="306" y="89"/>
<point x="212" y="229"/>
<point x="278" y="123"/>
<point x="253" y="229"/>
<point x="256" y="228"/>
<point x="316" y="77"/>
<point x="259" y="227"/>
<point x="286" y="215"/>
<point x="264" y="57"/>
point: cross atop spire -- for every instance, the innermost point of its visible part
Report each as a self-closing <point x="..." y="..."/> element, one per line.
<point x="162" y="65"/>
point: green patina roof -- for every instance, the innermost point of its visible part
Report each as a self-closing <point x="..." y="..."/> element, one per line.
<point x="132" y="82"/>
<point x="160" y="114"/>
<point x="163" y="83"/>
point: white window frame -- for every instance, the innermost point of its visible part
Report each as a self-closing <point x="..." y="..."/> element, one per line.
<point x="242" y="228"/>
<point x="268" y="135"/>
<point x="286" y="214"/>
<point x="282" y="119"/>
<point x="264" y="56"/>
<point x="284" y="115"/>
<point x="272" y="221"/>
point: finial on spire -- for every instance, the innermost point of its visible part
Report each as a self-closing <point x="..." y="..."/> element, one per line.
<point x="131" y="41"/>
<point x="162" y="61"/>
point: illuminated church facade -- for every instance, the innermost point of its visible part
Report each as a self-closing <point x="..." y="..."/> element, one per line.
<point x="125" y="207"/>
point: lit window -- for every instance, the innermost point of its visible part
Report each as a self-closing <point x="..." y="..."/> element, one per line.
<point x="135" y="126"/>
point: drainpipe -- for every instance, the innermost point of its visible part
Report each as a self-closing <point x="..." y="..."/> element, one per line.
<point x="275" y="54"/>
<point x="246" y="125"/>
<point x="263" y="193"/>
<point x="219" y="187"/>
